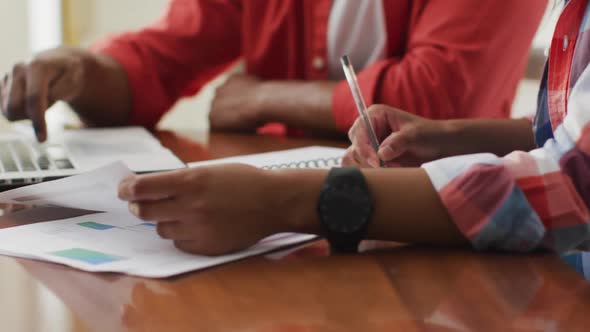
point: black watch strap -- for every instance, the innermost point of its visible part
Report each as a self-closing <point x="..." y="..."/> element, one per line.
<point x="345" y="208"/>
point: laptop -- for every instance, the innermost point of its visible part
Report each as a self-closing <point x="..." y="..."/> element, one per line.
<point x="23" y="161"/>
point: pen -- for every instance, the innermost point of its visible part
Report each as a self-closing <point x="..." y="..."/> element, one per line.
<point x="360" y="102"/>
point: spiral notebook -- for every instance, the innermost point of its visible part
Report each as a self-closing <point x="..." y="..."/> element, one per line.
<point x="309" y="157"/>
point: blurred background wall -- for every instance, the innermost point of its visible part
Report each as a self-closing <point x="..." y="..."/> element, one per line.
<point x="14" y="41"/>
<point x="89" y="20"/>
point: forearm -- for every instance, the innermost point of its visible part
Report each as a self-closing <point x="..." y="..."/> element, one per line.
<point x="305" y="105"/>
<point x="105" y="98"/>
<point x="406" y="206"/>
<point x="499" y="137"/>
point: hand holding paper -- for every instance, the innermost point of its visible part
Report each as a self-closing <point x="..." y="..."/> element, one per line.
<point x="209" y="210"/>
<point x="116" y="241"/>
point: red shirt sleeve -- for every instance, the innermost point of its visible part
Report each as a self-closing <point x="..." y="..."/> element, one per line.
<point x="195" y="41"/>
<point x="464" y="59"/>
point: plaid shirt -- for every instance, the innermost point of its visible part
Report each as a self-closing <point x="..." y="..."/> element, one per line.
<point x="539" y="198"/>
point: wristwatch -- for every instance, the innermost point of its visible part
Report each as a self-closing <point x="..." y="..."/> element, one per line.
<point x="345" y="207"/>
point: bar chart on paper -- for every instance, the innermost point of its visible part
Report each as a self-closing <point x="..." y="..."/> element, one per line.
<point x="87" y="256"/>
<point x="111" y="242"/>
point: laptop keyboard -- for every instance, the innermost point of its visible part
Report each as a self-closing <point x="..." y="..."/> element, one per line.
<point x="18" y="156"/>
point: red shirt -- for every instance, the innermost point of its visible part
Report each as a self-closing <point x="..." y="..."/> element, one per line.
<point x="445" y="58"/>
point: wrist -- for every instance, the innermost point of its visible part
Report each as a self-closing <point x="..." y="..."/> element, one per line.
<point x="451" y="132"/>
<point x="296" y="199"/>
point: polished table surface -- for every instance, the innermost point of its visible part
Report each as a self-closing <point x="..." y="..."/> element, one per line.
<point x="389" y="287"/>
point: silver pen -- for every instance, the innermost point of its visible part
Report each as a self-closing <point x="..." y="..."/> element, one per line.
<point x="360" y="102"/>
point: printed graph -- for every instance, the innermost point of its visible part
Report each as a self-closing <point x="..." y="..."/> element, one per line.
<point x="95" y="225"/>
<point x="87" y="256"/>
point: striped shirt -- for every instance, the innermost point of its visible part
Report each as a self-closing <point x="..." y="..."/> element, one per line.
<point x="540" y="198"/>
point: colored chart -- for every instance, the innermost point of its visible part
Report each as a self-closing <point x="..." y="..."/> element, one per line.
<point x="95" y="225"/>
<point x="87" y="256"/>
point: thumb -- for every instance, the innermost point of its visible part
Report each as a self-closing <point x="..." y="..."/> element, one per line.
<point x="393" y="146"/>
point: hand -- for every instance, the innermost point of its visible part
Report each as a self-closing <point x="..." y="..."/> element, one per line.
<point x="406" y="140"/>
<point x="208" y="210"/>
<point x="31" y="88"/>
<point x="236" y="105"/>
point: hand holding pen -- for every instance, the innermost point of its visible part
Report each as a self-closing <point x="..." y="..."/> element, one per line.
<point x="360" y="103"/>
<point x="401" y="139"/>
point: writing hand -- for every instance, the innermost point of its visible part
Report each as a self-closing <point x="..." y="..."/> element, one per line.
<point x="406" y="140"/>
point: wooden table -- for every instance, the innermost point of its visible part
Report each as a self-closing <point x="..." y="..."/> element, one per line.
<point x="399" y="288"/>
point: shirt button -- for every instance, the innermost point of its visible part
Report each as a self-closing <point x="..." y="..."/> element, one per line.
<point x="318" y="63"/>
<point x="566" y="42"/>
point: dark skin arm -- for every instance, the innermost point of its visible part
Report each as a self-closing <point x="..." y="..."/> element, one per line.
<point x="106" y="98"/>
<point x="497" y="136"/>
<point x="245" y="103"/>
<point x="193" y="209"/>
<point x="407" y="207"/>
<point x="94" y="85"/>
<point x="192" y="206"/>
<point x="306" y="105"/>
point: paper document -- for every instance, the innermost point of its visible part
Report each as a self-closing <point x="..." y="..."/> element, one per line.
<point x="134" y="146"/>
<point x="110" y="241"/>
<point x="94" y="191"/>
<point x="310" y="157"/>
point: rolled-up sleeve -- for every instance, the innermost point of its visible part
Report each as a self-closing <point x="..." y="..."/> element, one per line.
<point x="525" y="200"/>
<point x="194" y="41"/>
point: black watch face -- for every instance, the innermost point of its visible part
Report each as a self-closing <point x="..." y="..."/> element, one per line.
<point x="346" y="209"/>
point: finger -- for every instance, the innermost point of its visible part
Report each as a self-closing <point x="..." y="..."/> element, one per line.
<point x="172" y="231"/>
<point x="393" y="146"/>
<point x="361" y="144"/>
<point x="360" y="160"/>
<point x="182" y="231"/>
<point x="378" y="121"/>
<point x="348" y="159"/>
<point x="165" y="210"/>
<point x="38" y="77"/>
<point x="358" y="133"/>
<point x="366" y="155"/>
<point x="204" y="248"/>
<point x="191" y="247"/>
<point x="158" y="186"/>
<point x="15" y="91"/>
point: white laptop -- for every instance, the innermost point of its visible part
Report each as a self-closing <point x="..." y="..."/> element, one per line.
<point x="23" y="161"/>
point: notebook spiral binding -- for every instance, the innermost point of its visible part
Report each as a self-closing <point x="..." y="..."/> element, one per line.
<point x="313" y="163"/>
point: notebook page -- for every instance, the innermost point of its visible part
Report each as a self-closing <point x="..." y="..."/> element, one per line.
<point x="310" y="157"/>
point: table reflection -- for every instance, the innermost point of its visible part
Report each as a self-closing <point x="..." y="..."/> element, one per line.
<point x="488" y="292"/>
<point x="389" y="287"/>
<point x="400" y="289"/>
